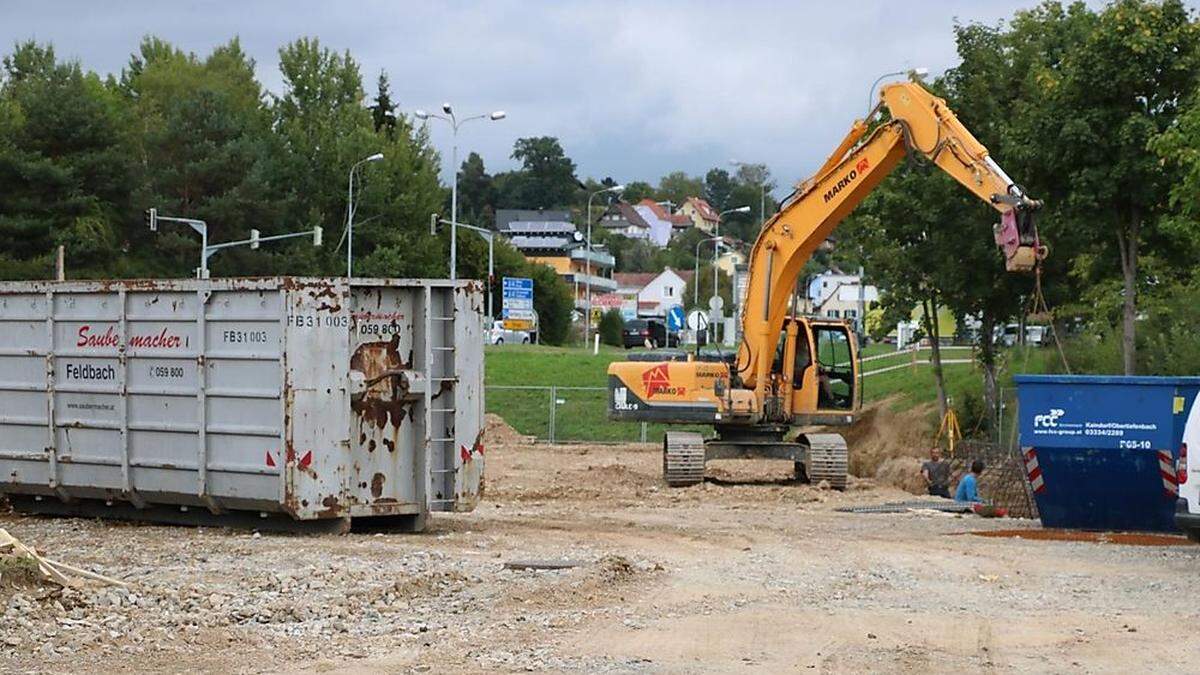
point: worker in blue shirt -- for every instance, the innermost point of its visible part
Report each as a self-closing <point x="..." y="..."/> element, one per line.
<point x="968" y="487"/>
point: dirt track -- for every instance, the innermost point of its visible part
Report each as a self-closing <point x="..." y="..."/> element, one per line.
<point x="745" y="572"/>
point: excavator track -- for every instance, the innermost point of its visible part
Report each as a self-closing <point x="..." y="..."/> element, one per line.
<point x="683" y="458"/>
<point x="828" y="459"/>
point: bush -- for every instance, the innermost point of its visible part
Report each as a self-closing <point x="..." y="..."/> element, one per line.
<point x="612" y="326"/>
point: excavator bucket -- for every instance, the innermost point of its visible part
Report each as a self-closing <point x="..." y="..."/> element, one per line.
<point x="1016" y="235"/>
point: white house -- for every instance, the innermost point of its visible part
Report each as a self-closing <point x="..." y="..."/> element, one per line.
<point x="651" y="293"/>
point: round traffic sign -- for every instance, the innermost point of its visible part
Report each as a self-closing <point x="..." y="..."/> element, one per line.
<point x="716" y="303"/>
<point x="697" y="320"/>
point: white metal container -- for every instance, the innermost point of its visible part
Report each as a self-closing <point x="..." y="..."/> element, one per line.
<point x="316" y="399"/>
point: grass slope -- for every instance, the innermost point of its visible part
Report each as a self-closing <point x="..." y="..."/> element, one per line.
<point x="581" y="414"/>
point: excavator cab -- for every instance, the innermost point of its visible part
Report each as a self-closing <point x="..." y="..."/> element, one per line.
<point x="816" y="367"/>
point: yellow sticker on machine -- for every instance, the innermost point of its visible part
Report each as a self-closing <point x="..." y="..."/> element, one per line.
<point x="1178" y="405"/>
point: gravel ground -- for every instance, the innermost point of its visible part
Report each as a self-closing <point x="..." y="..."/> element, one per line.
<point x="747" y="571"/>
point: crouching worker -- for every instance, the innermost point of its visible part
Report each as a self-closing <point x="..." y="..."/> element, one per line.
<point x="968" y="487"/>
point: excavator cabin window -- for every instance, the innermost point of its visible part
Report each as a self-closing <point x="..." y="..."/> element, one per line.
<point x="835" y="367"/>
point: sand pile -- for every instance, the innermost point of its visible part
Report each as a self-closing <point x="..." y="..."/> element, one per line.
<point x="498" y="432"/>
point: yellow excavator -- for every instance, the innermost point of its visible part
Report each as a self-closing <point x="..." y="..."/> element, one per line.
<point x="790" y="370"/>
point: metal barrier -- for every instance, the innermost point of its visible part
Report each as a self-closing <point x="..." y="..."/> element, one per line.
<point x="913" y="361"/>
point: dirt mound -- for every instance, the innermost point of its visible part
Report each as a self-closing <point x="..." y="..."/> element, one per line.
<point x="880" y="434"/>
<point x="498" y="432"/>
<point x="901" y="472"/>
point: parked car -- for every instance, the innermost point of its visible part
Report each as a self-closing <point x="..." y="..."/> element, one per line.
<point x="499" y="335"/>
<point x="1187" y="509"/>
<point x="650" y="333"/>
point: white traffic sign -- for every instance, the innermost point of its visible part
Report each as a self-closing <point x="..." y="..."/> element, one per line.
<point x="716" y="303"/>
<point x="697" y="320"/>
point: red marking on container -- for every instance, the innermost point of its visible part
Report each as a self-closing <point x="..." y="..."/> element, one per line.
<point x="1034" y="472"/>
<point x="306" y="459"/>
<point x="270" y="459"/>
<point x="1166" y="471"/>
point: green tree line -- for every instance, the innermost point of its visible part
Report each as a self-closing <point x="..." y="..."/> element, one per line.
<point x="82" y="157"/>
<point x="1096" y="112"/>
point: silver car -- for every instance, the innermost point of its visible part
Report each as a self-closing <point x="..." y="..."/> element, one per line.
<point x="499" y="335"/>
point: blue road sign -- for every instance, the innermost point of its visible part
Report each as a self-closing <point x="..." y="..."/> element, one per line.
<point x="675" y="318"/>
<point x="517" y="288"/>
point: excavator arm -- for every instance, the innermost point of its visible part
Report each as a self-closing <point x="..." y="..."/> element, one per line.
<point x="919" y="123"/>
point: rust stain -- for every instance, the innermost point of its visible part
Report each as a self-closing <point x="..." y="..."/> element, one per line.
<point x="380" y="405"/>
<point x="377" y="482"/>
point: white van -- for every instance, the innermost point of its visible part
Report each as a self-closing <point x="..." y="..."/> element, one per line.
<point x="1187" y="509"/>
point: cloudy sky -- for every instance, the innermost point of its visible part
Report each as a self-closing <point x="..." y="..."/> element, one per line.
<point x="633" y="89"/>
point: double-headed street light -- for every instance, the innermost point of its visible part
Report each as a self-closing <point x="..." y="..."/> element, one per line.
<point x="455" y="123"/>
<point x="587" y="320"/>
<point x="350" y="212"/>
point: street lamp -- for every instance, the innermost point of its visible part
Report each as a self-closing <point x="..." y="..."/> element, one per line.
<point x="350" y="212"/>
<point x="696" y="271"/>
<point x="762" y="199"/>
<point x="587" y="319"/>
<point x="914" y="73"/>
<point x="455" y="123"/>
<point x="740" y="209"/>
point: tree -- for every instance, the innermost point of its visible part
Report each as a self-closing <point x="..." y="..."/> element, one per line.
<point x="677" y="186"/>
<point x="718" y="189"/>
<point x="383" y="112"/>
<point x="546" y="179"/>
<point x="1119" y="88"/>
<point x="66" y="179"/>
<point x="205" y="142"/>
<point x="612" y="327"/>
<point x="636" y="191"/>
<point x="476" y="193"/>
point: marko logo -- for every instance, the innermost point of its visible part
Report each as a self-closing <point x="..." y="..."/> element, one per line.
<point x="863" y="165"/>
<point x="657" y="380"/>
<point x="87" y="371"/>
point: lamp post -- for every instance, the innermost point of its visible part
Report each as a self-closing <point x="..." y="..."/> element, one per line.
<point x="587" y="261"/>
<point x="491" y="240"/>
<point x="915" y="72"/>
<point x="740" y="209"/>
<point x="350" y="212"/>
<point x="455" y="123"/>
<point x="696" y="271"/>
<point x="762" y="198"/>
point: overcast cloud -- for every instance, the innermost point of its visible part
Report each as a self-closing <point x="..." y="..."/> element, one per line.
<point x="633" y="89"/>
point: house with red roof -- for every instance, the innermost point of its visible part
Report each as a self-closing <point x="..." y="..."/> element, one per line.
<point x="651" y="293"/>
<point x="700" y="214"/>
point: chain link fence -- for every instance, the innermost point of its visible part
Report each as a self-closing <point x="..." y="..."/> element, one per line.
<point x="567" y="414"/>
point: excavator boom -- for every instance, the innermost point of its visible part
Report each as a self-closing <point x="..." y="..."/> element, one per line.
<point x="919" y="123"/>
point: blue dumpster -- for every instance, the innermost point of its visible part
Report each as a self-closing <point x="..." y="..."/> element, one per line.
<point x="1100" y="450"/>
